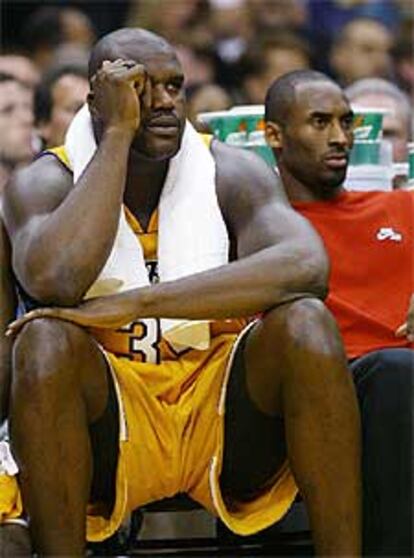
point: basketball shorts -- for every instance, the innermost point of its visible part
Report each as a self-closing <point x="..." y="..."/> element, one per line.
<point x="171" y="441"/>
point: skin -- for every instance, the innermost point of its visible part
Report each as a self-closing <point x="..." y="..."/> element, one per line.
<point x="320" y="128"/>
<point x="313" y="151"/>
<point x="16" y="127"/>
<point x="68" y="95"/>
<point x="294" y="358"/>
<point x="302" y="142"/>
<point x="21" y="67"/>
<point x="77" y="28"/>
<point x="363" y="52"/>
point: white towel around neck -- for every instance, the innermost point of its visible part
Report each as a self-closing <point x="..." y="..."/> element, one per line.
<point x="192" y="235"/>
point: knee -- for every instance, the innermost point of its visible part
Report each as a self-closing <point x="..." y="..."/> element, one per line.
<point x="42" y="347"/>
<point x="306" y="324"/>
<point x="301" y="348"/>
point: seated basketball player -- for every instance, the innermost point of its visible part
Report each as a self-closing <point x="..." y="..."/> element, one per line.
<point x="368" y="236"/>
<point x="139" y="390"/>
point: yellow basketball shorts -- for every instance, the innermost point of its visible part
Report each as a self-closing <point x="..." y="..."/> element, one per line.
<point x="171" y="441"/>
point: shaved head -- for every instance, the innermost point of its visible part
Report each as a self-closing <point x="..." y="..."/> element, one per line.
<point x="281" y="94"/>
<point x="128" y="43"/>
<point x="309" y="125"/>
<point x="162" y="118"/>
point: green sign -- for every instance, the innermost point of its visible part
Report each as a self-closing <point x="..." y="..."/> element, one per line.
<point x="411" y="162"/>
<point x="368" y="123"/>
<point x="241" y="126"/>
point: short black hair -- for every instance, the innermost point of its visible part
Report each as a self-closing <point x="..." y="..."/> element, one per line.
<point x="281" y="93"/>
<point x="43" y="101"/>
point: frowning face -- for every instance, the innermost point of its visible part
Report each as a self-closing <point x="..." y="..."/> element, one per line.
<point x="162" y="126"/>
<point x="317" y="138"/>
<point x="163" y="101"/>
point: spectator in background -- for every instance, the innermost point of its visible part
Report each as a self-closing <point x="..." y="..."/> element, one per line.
<point x="269" y="59"/>
<point x="379" y="93"/>
<point x="49" y="27"/>
<point x="172" y="19"/>
<point x="21" y="67"/>
<point x="206" y="98"/>
<point x="16" y="126"/>
<point x="328" y="17"/>
<point x="186" y="25"/>
<point x="197" y="60"/>
<point x="106" y="15"/>
<point x="272" y="15"/>
<point x="76" y="27"/>
<point x="362" y="49"/>
<point x="230" y="25"/>
<point x="404" y="59"/>
<point x="60" y="94"/>
<point x="68" y="54"/>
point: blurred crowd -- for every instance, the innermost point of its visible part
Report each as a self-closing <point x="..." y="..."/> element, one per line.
<point x="231" y="51"/>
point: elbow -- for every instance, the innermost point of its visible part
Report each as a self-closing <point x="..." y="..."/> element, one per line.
<point x="316" y="272"/>
<point x="50" y="286"/>
<point x="318" y="285"/>
<point x="52" y="292"/>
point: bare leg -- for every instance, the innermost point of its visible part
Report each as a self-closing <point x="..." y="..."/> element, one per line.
<point x="296" y="368"/>
<point x="59" y="386"/>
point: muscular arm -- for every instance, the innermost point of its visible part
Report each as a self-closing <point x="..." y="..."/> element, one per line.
<point x="7" y="313"/>
<point x="62" y="235"/>
<point x="279" y="255"/>
<point x="280" y="259"/>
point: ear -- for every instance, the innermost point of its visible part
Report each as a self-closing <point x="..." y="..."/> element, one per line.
<point x="274" y="135"/>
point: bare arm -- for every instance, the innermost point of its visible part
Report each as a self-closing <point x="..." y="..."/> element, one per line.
<point x="7" y="314"/>
<point x="279" y="255"/>
<point x="62" y="235"/>
<point x="280" y="258"/>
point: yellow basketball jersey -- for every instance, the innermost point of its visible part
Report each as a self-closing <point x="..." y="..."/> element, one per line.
<point x="141" y="340"/>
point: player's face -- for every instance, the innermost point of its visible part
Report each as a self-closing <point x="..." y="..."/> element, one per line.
<point x="163" y="101"/>
<point x="318" y="137"/>
<point x="159" y="135"/>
